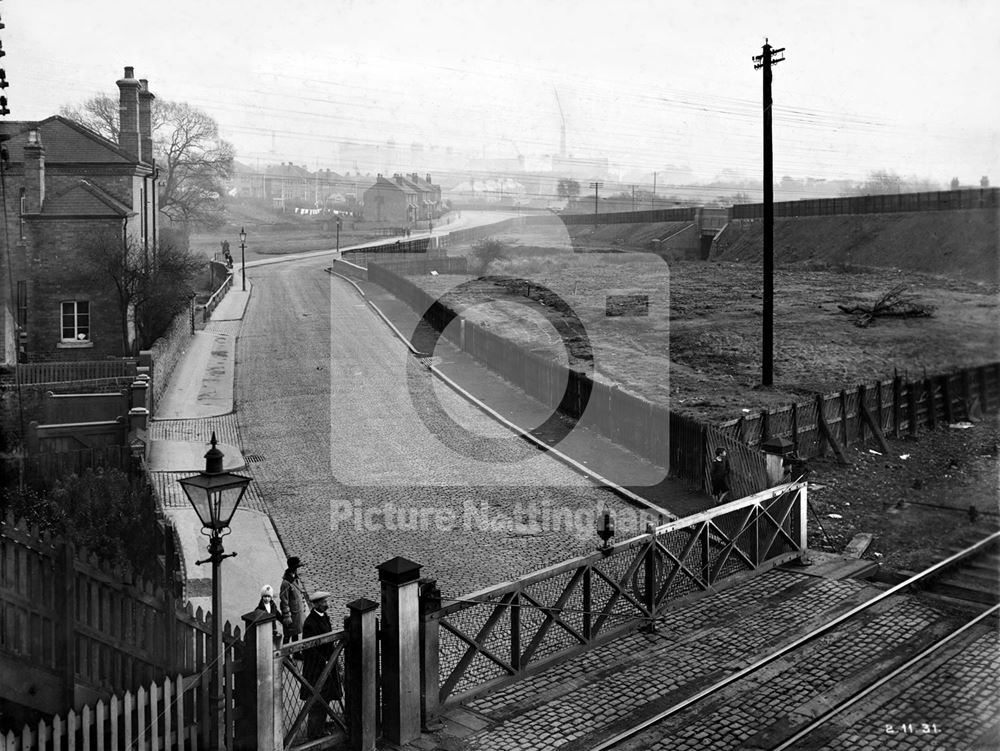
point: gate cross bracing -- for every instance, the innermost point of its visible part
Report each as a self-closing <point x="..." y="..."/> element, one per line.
<point x="430" y="655"/>
<point x="504" y="633"/>
<point x="293" y="683"/>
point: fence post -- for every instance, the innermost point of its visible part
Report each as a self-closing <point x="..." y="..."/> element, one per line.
<point x="256" y="686"/>
<point x="896" y="398"/>
<point x="359" y="675"/>
<point x="138" y="394"/>
<point x="803" y="531"/>
<point x="67" y="637"/>
<point x="911" y="400"/>
<point x="949" y="415"/>
<point x="400" y="650"/>
<point x="862" y="395"/>
<point x="430" y="667"/>
<point x="931" y="404"/>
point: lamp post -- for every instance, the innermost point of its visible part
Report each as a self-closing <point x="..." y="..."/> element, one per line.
<point x="215" y="494"/>
<point x="338" y="233"/>
<point x="243" y="256"/>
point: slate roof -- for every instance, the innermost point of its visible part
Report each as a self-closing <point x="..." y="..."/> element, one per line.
<point x="65" y="142"/>
<point x="85" y="199"/>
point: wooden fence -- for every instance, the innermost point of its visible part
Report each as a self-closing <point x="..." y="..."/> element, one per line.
<point x="82" y="630"/>
<point x="60" y="372"/>
<point x="164" y="716"/>
<point x="868" y="413"/>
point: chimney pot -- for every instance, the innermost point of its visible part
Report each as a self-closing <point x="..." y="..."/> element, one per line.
<point x="129" y="71"/>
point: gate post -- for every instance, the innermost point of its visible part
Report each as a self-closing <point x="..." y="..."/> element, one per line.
<point x="400" y="650"/>
<point x="255" y="684"/>
<point x="430" y="687"/>
<point x="359" y="675"/>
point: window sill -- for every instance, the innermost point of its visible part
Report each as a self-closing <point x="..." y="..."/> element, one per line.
<point x="74" y="345"/>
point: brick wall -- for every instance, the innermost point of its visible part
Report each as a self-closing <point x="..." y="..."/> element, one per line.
<point x="50" y="264"/>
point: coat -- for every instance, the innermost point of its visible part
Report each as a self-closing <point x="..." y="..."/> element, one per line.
<point x="273" y="609"/>
<point x="315" y="658"/>
<point x="291" y="600"/>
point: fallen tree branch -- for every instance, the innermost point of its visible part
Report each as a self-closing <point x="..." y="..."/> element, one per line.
<point x="893" y="304"/>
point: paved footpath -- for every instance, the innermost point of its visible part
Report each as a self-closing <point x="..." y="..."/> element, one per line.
<point x="198" y="402"/>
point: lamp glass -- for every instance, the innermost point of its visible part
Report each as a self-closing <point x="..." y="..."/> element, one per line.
<point x="243" y="235"/>
<point x="215" y="498"/>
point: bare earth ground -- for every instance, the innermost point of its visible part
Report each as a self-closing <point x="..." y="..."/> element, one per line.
<point x="698" y="350"/>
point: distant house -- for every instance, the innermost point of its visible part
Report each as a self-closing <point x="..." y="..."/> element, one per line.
<point x="393" y="200"/>
<point x="65" y="184"/>
<point x="430" y="195"/>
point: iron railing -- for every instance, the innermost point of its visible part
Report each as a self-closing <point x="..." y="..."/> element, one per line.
<point x="501" y="634"/>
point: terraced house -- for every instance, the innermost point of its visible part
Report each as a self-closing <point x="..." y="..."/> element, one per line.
<point x="64" y="184"/>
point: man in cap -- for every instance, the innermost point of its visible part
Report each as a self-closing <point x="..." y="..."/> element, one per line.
<point x="314" y="663"/>
<point x="291" y="599"/>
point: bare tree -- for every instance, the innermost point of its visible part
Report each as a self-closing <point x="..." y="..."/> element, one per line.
<point x="193" y="160"/>
<point x="151" y="285"/>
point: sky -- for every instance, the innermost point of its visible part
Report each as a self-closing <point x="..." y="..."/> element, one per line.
<point x="908" y="86"/>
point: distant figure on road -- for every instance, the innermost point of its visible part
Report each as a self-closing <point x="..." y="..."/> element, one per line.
<point x="720" y="475"/>
<point x="292" y="598"/>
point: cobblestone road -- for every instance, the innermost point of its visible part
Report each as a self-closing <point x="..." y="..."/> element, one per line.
<point x="352" y="475"/>
<point x="577" y="703"/>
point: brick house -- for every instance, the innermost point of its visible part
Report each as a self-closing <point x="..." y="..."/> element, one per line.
<point x="64" y="184"/>
<point x="429" y="195"/>
<point x="392" y="201"/>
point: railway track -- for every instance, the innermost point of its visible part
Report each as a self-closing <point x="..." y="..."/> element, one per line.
<point x="915" y="665"/>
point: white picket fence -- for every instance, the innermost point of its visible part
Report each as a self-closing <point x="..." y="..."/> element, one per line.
<point x="152" y="720"/>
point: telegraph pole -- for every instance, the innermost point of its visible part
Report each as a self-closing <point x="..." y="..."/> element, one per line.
<point x="596" y="187"/>
<point x="765" y="61"/>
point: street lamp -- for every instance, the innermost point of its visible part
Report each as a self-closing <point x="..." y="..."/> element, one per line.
<point x="243" y="256"/>
<point x="215" y="494"/>
<point x="338" y="233"/>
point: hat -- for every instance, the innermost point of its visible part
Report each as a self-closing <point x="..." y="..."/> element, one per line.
<point x="267" y="589"/>
<point x="294" y="562"/>
<point x="321" y="595"/>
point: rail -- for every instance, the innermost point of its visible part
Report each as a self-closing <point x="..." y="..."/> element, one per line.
<point x="890" y="676"/>
<point x="216" y="298"/>
<point x="792" y="646"/>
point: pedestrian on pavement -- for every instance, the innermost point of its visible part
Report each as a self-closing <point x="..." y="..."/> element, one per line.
<point x="267" y="606"/>
<point x="314" y="663"/>
<point x="720" y="475"/>
<point x="292" y="598"/>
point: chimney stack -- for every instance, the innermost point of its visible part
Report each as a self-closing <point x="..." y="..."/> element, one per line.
<point x="128" y="115"/>
<point x="34" y="173"/>
<point x="428" y="177"/>
<point x="146" y="98"/>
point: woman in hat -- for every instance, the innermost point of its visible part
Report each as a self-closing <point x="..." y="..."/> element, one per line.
<point x="267" y="606"/>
